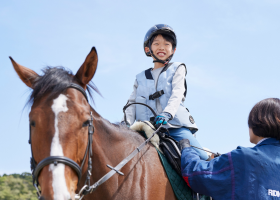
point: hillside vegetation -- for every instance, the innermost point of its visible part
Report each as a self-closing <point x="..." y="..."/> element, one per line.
<point x="17" y="187"/>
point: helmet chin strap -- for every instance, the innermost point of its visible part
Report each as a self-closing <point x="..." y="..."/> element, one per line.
<point x="162" y="61"/>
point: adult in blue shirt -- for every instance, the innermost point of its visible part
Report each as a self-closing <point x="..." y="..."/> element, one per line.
<point x="244" y="173"/>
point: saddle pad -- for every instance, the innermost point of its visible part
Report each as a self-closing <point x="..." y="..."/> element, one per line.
<point x="181" y="189"/>
<point x="179" y="186"/>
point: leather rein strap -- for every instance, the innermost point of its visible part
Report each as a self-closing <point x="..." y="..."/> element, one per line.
<point x="116" y="169"/>
<point x="129" y="104"/>
<point x="89" y="189"/>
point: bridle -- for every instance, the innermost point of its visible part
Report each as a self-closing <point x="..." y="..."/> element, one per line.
<point x="87" y="188"/>
<point x="36" y="168"/>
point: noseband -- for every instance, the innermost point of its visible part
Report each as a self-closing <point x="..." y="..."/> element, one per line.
<point x="36" y="168"/>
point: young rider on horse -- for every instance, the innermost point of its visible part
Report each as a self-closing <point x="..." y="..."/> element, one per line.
<point x="244" y="173"/>
<point x="163" y="88"/>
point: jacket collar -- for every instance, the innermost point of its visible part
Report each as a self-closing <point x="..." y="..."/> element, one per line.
<point x="269" y="141"/>
<point x="149" y="75"/>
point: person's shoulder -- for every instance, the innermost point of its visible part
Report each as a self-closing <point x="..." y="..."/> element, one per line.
<point x="178" y="64"/>
<point x="247" y="152"/>
<point x="242" y="151"/>
<point x="269" y="141"/>
<point x="146" y="72"/>
<point x="179" y="68"/>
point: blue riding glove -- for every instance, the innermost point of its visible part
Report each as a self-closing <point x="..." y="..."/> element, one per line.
<point x="162" y="118"/>
<point x="125" y="124"/>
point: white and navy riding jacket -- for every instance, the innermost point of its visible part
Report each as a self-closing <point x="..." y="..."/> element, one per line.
<point x="162" y="91"/>
<point x="244" y="173"/>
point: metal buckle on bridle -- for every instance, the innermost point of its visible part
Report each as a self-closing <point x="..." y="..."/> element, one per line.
<point x="81" y="193"/>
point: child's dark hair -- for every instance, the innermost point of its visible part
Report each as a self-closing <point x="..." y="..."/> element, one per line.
<point x="264" y="118"/>
<point x="166" y="37"/>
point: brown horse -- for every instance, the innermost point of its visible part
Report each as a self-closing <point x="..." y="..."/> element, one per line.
<point x="59" y="119"/>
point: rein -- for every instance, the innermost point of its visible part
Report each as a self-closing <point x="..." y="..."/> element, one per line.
<point x="151" y="119"/>
<point x="129" y="104"/>
<point x="86" y="189"/>
<point x="89" y="189"/>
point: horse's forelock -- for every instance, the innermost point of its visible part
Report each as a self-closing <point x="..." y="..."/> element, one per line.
<point x="55" y="80"/>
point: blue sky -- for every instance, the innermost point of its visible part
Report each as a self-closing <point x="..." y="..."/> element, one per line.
<point x="231" y="50"/>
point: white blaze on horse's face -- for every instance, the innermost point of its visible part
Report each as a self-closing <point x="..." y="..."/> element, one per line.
<point x="59" y="183"/>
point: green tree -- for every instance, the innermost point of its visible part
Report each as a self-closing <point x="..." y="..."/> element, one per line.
<point x="17" y="187"/>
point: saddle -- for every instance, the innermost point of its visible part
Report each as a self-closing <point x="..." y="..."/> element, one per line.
<point x="169" y="147"/>
<point x="162" y="141"/>
<point x="170" y="157"/>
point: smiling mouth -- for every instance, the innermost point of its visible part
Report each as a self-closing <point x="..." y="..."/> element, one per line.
<point x="161" y="54"/>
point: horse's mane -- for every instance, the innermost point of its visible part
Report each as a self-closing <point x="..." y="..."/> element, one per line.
<point x="54" y="81"/>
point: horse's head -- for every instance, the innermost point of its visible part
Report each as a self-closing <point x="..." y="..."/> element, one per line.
<point x="59" y="120"/>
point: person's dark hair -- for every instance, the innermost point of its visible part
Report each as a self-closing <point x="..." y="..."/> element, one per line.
<point x="166" y="37"/>
<point x="264" y="118"/>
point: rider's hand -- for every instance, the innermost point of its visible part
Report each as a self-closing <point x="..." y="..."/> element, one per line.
<point x="162" y="118"/>
<point x="125" y="124"/>
<point x="184" y="143"/>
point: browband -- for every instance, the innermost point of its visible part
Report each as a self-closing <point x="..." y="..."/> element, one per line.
<point x="77" y="87"/>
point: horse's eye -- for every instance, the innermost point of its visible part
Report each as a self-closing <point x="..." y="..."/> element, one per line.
<point x="86" y="123"/>
<point x="32" y="123"/>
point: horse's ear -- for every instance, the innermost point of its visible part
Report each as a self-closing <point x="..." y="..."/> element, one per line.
<point x="88" y="68"/>
<point x="25" y="74"/>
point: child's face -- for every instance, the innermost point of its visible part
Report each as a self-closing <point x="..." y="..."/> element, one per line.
<point x="161" y="48"/>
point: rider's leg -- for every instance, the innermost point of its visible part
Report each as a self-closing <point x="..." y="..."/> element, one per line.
<point x="184" y="133"/>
